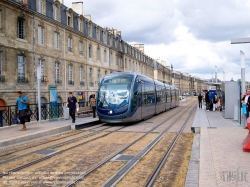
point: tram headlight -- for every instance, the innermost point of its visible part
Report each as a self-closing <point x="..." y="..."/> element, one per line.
<point x="110" y="112"/>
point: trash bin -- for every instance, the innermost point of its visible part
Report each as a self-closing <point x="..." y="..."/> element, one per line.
<point x="66" y="113"/>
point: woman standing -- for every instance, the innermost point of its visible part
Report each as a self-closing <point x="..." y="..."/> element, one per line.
<point x="93" y="104"/>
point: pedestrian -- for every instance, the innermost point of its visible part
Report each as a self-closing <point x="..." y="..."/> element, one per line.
<point x="218" y="104"/>
<point x="215" y="101"/>
<point x="200" y="100"/>
<point x="22" y="103"/>
<point x="90" y="98"/>
<point x="72" y="105"/>
<point x="207" y="101"/>
<point x="93" y="105"/>
<point x="246" y="100"/>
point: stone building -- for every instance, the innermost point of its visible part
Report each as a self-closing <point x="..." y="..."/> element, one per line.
<point x="74" y="53"/>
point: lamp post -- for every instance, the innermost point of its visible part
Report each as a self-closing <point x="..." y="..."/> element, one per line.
<point x="242" y="55"/>
<point x="39" y="92"/>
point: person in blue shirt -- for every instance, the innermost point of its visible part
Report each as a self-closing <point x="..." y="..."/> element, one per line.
<point x="72" y="104"/>
<point x="22" y="104"/>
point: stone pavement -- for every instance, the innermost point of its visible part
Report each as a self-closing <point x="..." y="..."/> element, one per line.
<point x="11" y="135"/>
<point x="217" y="158"/>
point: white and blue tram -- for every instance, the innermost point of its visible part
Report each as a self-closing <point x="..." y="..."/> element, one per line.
<point x="125" y="97"/>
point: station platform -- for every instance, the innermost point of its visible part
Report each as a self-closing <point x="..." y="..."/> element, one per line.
<point x="217" y="158"/>
<point x="11" y="135"/>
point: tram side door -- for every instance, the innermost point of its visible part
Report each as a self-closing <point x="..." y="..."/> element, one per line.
<point x="144" y="101"/>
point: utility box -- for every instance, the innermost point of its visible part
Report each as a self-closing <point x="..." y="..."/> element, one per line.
<point x="230" y="98"/>
<point x="66" y="113"/>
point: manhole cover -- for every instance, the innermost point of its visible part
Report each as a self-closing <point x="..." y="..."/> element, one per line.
<point x="124" y="158"/>
<point x="46" y="152"/>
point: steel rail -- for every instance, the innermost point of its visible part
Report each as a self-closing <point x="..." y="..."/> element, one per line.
<point x="42" y="143"/>
<point x="77" y="180"/>
<point x="112" y="181"/>
<point x="164" y="158"/>
<point x="53" y="146"/>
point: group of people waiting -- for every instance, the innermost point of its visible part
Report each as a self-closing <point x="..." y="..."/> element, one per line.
<point x="211" y="105"/>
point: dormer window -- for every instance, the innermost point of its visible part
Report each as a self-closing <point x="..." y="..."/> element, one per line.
<point x="56" y="10"/>
<point x="68" y="20"/>
<point x="69" y="15"/>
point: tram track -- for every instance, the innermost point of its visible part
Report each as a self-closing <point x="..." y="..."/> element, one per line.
<point x="154" y="175"/>
<point x="40" y="143"/>
<point x="55" y="146"/>
<point x="93" y="168"/>
<point x="136" y="158"/>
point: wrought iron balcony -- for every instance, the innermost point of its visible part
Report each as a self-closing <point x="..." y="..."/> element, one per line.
<point x="70" y="49"/>
<point x="71" y="82"/>
<point x="2" y="78"/>
<point x="44" y="79"/>
<point x="57" y="81"/>
<point x="22" y="80"/>
<point x="82" y="83"/>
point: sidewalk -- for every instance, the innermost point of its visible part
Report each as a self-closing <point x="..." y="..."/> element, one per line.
<point x="11" y="135"/>
<point x="217" y="158"/>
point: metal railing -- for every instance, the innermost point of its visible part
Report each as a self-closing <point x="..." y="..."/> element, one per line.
<point x="8" y="113"/>
<point x="71" y="82"/>
<point x="82" y="83"/>
<point x="57" y="81"/>
<point x="22" y="80"/>
<point x="2" y="78"/>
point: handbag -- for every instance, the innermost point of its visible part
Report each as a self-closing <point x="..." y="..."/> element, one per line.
<point x="244" y="107"/>
<point x="28" y="112"/>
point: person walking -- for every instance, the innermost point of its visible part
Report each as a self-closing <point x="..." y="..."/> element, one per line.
<point x="215" y="101"/>
<point x="207" y="101"/>
<point x="22" y="103"/>
<point x="93" y="105"/>
<point x="200" y="100"/>
<point x="72" y="105"/>
<point x="246" y="100"/>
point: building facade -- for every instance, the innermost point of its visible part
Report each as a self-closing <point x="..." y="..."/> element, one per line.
<point x="73" y="52"/>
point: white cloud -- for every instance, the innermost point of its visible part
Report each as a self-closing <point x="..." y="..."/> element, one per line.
<point x="192" y="35"/>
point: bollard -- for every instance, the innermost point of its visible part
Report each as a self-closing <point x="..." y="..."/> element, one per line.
<point x="246" y="141"/>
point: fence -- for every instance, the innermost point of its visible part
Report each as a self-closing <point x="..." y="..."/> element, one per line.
<point x="7" y="115"/>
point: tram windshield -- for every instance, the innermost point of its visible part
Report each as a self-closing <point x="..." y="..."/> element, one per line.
<point x="114" y="94"/>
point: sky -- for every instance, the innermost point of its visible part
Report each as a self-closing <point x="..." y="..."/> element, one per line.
<point x="192" y="35"/>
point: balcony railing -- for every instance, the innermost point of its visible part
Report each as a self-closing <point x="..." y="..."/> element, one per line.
<point x="91" y="84"/>
<point x="22" y="80"/>
<point x="57" y="81"/>
<point x="71" y="82"/>
<point x="82" y="83"/>
<point x="2" y="78"/>
<point x="44" y="79"/>
<point x="70" y="49"/>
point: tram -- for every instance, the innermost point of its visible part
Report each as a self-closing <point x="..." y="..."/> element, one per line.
<point x="125" y="97"/>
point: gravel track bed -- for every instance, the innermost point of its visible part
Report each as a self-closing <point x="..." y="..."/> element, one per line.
<point x="35" y="142"/>
<point x="139" y="174"/>
<point x="32" y="149"/>
<point x="58" y="168"/>
<point x="175" y="169"/>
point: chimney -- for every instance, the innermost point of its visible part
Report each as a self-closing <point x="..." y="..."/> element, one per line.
<point x="88" y="16"/>
<point x="62" y="1"/>
<point x="77" y="7"/>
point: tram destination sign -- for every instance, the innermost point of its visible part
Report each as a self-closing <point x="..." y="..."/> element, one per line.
<point x="118" y="80"/>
